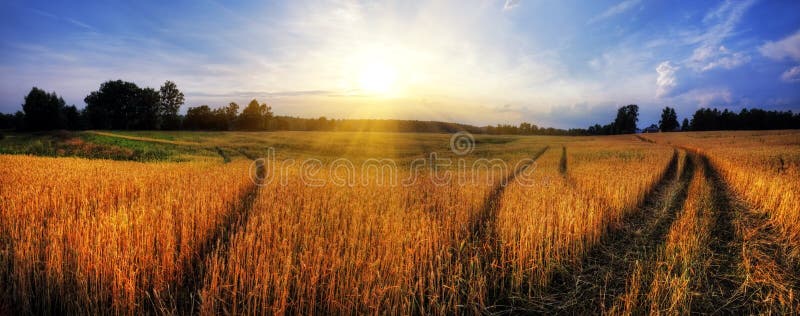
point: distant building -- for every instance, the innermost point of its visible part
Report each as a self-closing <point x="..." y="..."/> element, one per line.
<point x="651" y="129"/>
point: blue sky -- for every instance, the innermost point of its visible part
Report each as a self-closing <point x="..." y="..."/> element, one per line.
<point x="554" y="63"/>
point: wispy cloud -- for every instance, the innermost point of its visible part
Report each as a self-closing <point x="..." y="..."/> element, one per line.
<point x="78" y="23"/>
<point x="722" y="22"/>
<point x="257" y="94"/>
<point x="615" y="10"/>
<point x="510" y="4"/>
<point x="68" y="20"/>
<point x="41" y="53"/>
<point x="722" y="58"/>
<point x="706" y="97"/>
<point x="788" y="47"/>
<point x="791" y="75"/>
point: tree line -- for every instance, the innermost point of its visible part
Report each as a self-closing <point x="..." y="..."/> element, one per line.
<point x="531" y="129"/>
<point x="624" y="123"/>
<point x="123" y="105"/>
<point x="704" y="119"/>
<point x="753" y="119"/>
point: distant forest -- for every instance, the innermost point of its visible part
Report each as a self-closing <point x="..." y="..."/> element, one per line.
<point x="121" y="105"/>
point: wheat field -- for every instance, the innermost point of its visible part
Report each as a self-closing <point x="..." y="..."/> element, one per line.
<point x="668" y="223"/>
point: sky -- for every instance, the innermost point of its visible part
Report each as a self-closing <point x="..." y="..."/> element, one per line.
<point x="553" y="63"/>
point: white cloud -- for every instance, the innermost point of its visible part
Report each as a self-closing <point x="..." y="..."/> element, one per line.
<point x="709" y="97"/>
<point x="722" y="22"/>
<point x="510" y="4"/>
<point x="617" y="9"/>
<point x="787" y="47"/>
<point x="666" y="80"/>
<point x="723" y="58"/>
<point x="791" y="75"/>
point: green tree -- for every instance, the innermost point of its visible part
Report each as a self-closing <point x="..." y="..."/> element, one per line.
<point x="43" y="111"/>
<point x="231" y="113"/>
<point x="669" y="120"/>
<point x="146" y="111"/>
<point x="170" y="104"/>
<point x="627" y="116"/>
<point x="685" y="125"/>
<point x="255" y="116"/>
<point x="72" y="117"/>
<point x="123" y="105"/>
<point x="113" y="106"/>
<point x="280" y="124"/>
<point x="201" y="117"/>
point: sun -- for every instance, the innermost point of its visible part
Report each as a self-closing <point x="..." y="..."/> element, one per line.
<point x="378" y="77"/>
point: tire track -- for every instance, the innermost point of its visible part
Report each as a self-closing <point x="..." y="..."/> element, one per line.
<point x="482" y="224"/>
<point x="223" y="154"/>
<point x="149" y="139"/>
<point x="644" y="139"/>
<point x="563" y="169"/>
<point x="602" y="276"/>
<point x="482" y="251"/>
<point x="188" y="299"/>
<point x="659" y="275"/>
<point x="750" y="271"/>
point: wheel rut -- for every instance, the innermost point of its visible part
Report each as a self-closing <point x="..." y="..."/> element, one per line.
<point x="602" y="276"/>
<point x="187" y="300"/>
<point x="750" y="272"/>
<point x="483" y="246"/>
<point x="482" y="224"/>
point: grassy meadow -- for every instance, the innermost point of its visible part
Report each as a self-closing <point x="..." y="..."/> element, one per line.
<point x="176" y="223"/>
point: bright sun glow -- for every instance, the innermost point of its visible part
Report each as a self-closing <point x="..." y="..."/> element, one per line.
<point x="378" y="78"/>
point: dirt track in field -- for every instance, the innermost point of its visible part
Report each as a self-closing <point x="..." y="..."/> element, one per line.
<point x="750" y="271"/>
<point x="594" y="284"/>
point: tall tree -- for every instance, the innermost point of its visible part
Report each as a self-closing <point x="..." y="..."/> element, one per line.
<point x="72" y="118"/>
<point x="669" y="120"/>
<point x="146" y="111"/>
<point x="231" y="112"/>
<point x="200" y="117"/>
<point x="171" y="101"/>
<point x="43" y="111"/>
<point x="685" y="125"/>
<point x="255" y="116"/>
<point x="627" y="116"/>
<point x="266" y="114"/>
<point x="114" y="105"/>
